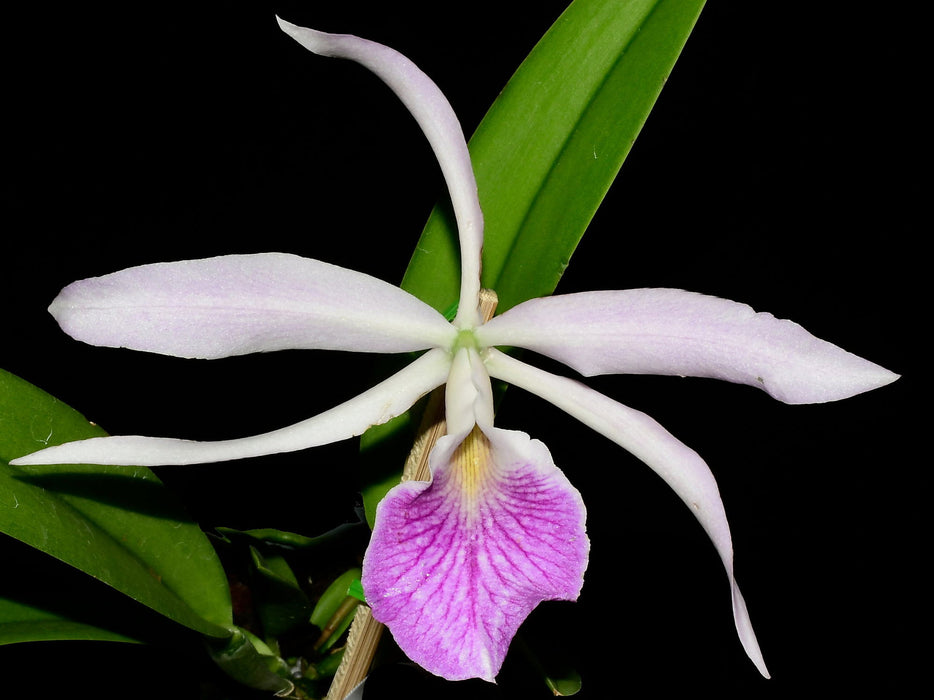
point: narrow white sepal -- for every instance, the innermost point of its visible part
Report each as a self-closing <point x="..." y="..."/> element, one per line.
<point x="681" y="467"/>
<point x="373" y="407"/>
<point x="674" y="332"/>
<point x="434" y="114"/>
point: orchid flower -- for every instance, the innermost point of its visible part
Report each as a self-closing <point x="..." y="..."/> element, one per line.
<point x="456" y="564"/>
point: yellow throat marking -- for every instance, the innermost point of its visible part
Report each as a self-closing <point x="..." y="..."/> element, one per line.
<point x="471" y="464"/>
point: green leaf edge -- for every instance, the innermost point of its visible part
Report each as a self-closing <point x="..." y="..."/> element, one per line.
<point x="97" y="537"/>
<point x="20" y="622"/>
<point x="539" y="181"/>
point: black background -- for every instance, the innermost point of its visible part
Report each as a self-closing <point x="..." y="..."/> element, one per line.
<point x="781" y="168"/>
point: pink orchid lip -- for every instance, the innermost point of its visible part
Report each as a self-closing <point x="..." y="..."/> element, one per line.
<point x="454" y="566"/>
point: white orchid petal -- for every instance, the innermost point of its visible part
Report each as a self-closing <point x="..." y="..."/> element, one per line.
<point x="373" y="407"/>
<point x="468" y="395"/>
<point x="681" y="468"/>
<point x="670" y="331"/>
<point x="238" y="304"/>
<point x="434" y="115"/>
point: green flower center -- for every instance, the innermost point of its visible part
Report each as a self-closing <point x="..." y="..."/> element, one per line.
<point x="465" y="339"/>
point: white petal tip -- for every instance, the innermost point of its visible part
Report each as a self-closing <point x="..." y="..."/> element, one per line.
<point x="745" y="632"/>
<point x="287" y="27"/>
<point x="859" y="377"/>
<point x="311" y="39"/>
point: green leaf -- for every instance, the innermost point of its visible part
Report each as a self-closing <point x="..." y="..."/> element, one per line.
<point x="333" y="597"/>
<point x="326" y="667"/>
<point x="335" y="609"/>
<point x="564" y="686"/>
<point x="552" y="143"/>
<point x="117" y="524"/>
<point x="21" y="622"/>
<point x="247" y="659"/>
<point x="344" y="535"/>
<point x="45" y="599"/>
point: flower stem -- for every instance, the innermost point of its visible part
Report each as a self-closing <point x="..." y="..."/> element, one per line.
<point x="362" y="641"/>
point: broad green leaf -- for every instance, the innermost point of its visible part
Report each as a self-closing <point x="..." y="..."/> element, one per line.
<point x="545" y="155"/>
<point x="43" y="599"/>
<point x="21" y="622"/>
<point x="552" y="143"/>
<point x="117" y="524"/>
